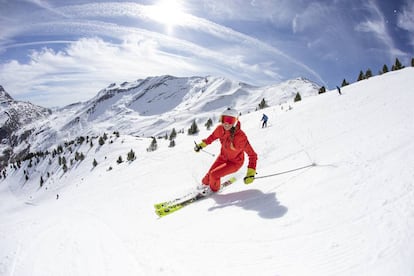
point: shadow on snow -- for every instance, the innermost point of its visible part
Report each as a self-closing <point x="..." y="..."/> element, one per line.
<point x="266" y="205"/>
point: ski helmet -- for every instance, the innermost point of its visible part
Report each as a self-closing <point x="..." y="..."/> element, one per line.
<point x="229" y="116"/>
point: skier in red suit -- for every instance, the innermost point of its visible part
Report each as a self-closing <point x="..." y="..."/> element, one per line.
<point x="234" y="144"/>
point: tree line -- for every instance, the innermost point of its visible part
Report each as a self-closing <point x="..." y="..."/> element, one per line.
<point x="368" y="73"/>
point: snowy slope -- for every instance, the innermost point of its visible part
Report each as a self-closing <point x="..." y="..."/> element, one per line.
<point x="156" y="105"/>
<point x="349" y="215"/>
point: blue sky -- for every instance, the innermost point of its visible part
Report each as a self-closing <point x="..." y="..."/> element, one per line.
<point x="55" y="53"/>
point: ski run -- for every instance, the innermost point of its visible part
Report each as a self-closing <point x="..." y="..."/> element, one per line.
<point x="350" y="214"/>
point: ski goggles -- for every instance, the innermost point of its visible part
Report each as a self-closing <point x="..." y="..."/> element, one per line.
<point x="228" y="119"/>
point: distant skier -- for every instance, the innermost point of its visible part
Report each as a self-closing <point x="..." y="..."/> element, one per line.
<point x="234" y="143"/>
<point x="339" y="90"/>
<point x="264" y="119"/>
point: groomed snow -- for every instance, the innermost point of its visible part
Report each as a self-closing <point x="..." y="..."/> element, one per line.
<point x="351" y="214"/>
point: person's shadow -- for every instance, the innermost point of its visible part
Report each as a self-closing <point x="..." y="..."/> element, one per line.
<point x="266" y="205"/>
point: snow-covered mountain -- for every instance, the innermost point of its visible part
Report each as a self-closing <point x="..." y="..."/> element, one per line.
<point x="156" y="104"/>
<point x="16" y="125"/>
<point x="148" y="107"/>
<point x="351" y="214"/>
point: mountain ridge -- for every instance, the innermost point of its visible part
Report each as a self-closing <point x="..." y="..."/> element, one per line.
<point x="145" y="107"/>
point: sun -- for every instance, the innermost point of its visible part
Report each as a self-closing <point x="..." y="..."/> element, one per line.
<point x="167" y="12"/>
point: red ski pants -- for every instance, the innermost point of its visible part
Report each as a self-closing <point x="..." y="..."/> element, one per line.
<point x="219" y="169"/>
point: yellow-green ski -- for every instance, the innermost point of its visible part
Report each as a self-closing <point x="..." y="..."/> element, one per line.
<point x="165" y="208"/>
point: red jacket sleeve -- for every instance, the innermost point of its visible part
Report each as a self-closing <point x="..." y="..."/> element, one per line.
<point x="217" y="133"/>
<point x="252" y="156"/>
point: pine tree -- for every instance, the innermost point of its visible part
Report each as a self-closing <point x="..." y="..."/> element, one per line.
<point x="81" y="139"/>
<point x="101" y="141"/>
<point x="385" y="68"/>
<point x="412" y="62"/>
<point x="41" y="181"/>
<point x="153" y="146"/>
<point x="368" y="73"/>
<point x="173" y="134"/>
<point x="208" y="124"/>
<point x="172" y="144"/>
<point x="94" y="163"/>
<point x="131" y="156"/>
<point x="344" y="83"/>
<point x="322" y="90"/>
<point x="397" y="65"/>
<point x="119" y="161"/>
<point x="297" y="97"/>
<point x="361" y="76"/>
<point x="193" y="129"/>
<point x="263" y="104"/>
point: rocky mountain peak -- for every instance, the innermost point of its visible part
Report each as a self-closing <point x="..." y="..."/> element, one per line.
<point x="4" y="96"/>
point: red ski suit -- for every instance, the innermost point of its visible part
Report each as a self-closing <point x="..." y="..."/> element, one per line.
<point x="231" y="158"/>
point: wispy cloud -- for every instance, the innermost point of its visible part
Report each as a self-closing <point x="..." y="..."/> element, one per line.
<point x="406" y="19"/>
<point x="376" y="25"/>
<point x="279" y="12"/>
<point x="189" y="22"/>
<point x="46" y="6"/>
<point x="85" y="46"/>
<point x="91" y="63"/>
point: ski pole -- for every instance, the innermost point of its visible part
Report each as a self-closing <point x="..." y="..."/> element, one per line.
<point x="212" y="154"/>
<point x="288" y="171"/>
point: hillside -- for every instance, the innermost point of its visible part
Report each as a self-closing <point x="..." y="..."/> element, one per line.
<point x="148" y="107"/>
<point x="351" y="214"/>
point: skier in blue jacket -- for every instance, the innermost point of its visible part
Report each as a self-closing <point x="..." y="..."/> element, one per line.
<point x="264" y="119"/>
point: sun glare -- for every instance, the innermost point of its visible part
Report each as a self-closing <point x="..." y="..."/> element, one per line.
<point x="168" y="12"/>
